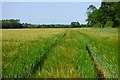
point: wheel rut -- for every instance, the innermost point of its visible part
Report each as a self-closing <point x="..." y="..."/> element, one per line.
<point x="44" y="55"/>
<point x="59" y="63"/>
<point x="100" y="74"/>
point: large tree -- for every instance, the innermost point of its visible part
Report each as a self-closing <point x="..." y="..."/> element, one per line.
<point x="91" y="13"/>
<point x="109" y="12"/>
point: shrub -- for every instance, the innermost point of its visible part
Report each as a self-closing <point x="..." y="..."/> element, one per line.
<point x="109" y="24"/>
<point x="98" y="25"/>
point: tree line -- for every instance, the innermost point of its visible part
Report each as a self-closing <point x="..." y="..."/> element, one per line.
<point x="15" y="23"/>
<point x="12" y="23"/>
<point x="108" y="15"/>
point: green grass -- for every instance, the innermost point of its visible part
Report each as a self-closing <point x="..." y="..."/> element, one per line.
<point x="19" y="56"/>
<point x="68" y="59"/>
<point x="59" y="53"/>
<point x="104" y="45"/>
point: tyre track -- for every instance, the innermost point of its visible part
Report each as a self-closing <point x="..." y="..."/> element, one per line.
<point x="100" y="74"/>
<point x="63" y="66"/>
<point x="43" y="57"/>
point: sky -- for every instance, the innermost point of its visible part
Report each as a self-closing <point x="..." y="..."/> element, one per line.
<point x="54" y="0"/>
<point x="47" y="12"/>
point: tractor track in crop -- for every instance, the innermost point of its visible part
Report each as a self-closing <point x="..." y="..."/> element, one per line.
<point x="43" y="57"/>
<point x="100" y="74"/>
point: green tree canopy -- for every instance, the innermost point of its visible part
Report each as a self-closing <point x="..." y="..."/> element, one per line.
<point x="108" y="12"/>
<point x="75" y="25"/>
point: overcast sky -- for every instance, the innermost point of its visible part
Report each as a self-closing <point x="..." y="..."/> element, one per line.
<point x="47" y="12"/>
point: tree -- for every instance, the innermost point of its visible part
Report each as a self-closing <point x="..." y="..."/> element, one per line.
<point x="111" y="12"/>
<point x="75" y="25"/>
<point x="108" y="13"/>
<point x="91" y="9"/>
<point x="91" y="13"/>
<point x="11" y="23"/>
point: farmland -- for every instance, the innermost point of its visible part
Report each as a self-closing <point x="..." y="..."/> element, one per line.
<point x="60" y="53"/>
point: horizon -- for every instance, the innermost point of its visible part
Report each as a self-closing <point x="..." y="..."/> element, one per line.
<point x="47" y="12"/>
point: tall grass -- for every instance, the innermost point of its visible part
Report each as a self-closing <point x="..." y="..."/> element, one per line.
<point x="20" y="55"/>
<point x="68" y="59"/>
<point x="103" y="44"/>
<point x="59" y="53"/>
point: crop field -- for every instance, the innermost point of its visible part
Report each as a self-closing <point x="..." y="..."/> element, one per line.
<point x="60" y="53"/>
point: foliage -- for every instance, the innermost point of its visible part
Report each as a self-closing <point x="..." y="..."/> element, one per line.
<point x="109" y="11"/>
<point x="75" y="25"/>
<point x="109" y="24"/>
<point x="16" y="24"/>
<point x="11" y="23"/>
<point x="91" y="9"/>
<point x="97" y="25"/>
